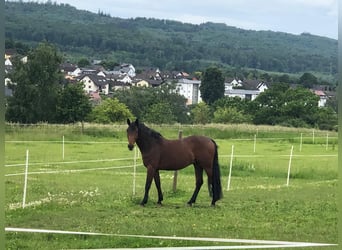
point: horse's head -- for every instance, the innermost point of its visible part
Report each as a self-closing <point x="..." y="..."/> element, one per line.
<point x="132" y="133"/>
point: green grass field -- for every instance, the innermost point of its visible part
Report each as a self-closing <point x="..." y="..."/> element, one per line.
<point x="91" y="189"/>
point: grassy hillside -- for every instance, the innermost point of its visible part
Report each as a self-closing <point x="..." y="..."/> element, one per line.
<point x="167" y="44"/>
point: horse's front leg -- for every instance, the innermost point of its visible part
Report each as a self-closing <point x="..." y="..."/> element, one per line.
<point x="149" y="177"/>
<point x="157" y="182"/>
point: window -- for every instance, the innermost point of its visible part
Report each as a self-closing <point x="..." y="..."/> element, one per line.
<point x="248" y="97"/>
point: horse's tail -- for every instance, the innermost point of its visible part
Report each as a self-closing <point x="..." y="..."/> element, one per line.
<point x="216" y="181"/>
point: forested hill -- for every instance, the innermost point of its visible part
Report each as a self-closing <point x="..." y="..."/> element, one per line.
<point x="164" y="43"/>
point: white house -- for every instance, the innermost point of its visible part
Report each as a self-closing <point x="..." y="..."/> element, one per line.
<point x="242" y="93"/>
<point x="76" y="72"/>
<point x="101" y="73"/>
<point x="8" y="63"/>
<point x="262" y="86"/>
<point x="24" y="60"/>
<point x="248" y="89"/>
<point x="141" y="83"/>
<point x="190" y="90"/>
<point x="322" y="98"/>
<point x="95" y="83"/>
<point x="125" y="79"/>
<point x="125" y="69"/>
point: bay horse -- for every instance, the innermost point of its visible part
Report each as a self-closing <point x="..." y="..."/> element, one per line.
<point x="159" y="153"/>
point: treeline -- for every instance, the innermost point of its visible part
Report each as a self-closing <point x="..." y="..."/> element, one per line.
<point x="166" y="44"/>
<point x="41" y="95"/>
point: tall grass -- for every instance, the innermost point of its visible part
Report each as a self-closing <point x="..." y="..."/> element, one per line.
<point x="118" y="131"/>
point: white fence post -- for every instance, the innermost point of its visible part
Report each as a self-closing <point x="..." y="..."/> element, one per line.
<point x="134" y="168"/>
<point x="289" y="168"/>
<point x="301" y="142"/>
<point x="63" y="148"/>
<point x="254" y="143"/>
<point x="230" y="168"/>
<point x="25" y="181"/>
<point x="313" y="136"/>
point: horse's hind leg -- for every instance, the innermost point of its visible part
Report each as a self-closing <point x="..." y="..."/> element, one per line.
<point x="157" y="182"/>
<point x="199" y="183"/>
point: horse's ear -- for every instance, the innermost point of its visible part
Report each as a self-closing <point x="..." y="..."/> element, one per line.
<point x="128" y="122"/>
<point x="137" y="122"/>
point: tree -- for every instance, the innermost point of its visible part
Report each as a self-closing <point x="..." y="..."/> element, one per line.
<point x="332" y="103"/>
<point x="300" y="104"/>
<point x="212" y="85"/>
<point x="266" y="108"/>
<point x="73" y="104"/>
<point x="167" y="94"/>
<point x="284" y="78"/>
<point x="160" y="113"/>
<point x="283" y="105"/>
<point x="327" y="119"/>
<point x="83" y="62"/>
<point x="139" y="100"/>
<point x="110" y="111"/>
<point x="201" y="113"/>
<point x="241" y="105"/>
<point x="35" y="86"/>
<point x="230" y="115"/>
<point x="136" y="99"/>
<point x="109" y="65"/>
<point x="308" y="80"/>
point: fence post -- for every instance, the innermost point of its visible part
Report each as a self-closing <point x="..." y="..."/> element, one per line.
<point x="134" y="168"/>
<point x="230" y="168"/>
<point x="313" y="136"/>
<point x="25" y="182"/>
<point x="254" y="143"/>
<point x="63" y="144"/>
<point x="175" y="173"/>
<point x="289" y="168"/>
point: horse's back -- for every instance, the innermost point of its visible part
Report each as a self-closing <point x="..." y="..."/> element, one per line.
<point x="202" y="147"/>
<point x="177" y="154"/>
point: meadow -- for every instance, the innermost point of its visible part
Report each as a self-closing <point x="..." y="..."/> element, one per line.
<point x="89" y="186"/>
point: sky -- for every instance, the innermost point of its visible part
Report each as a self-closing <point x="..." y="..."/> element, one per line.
<point x="317" y="17"/>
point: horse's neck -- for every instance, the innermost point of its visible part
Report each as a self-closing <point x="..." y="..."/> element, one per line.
<point x="145" y="143"/>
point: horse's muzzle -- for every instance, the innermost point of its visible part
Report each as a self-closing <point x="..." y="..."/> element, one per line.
<point x="130" y="146"/>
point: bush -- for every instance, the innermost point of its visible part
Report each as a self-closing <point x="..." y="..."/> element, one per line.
<point x="110" y="111"/>
<point x="230" y="115"/>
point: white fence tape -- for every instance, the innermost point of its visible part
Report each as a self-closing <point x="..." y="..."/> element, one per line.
<point x="265" y="243"/>
<point x="68" y="162"/>
<point x="71" y="170"/>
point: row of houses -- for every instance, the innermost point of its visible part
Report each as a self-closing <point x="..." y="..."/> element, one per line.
<point x="97" y="81"/>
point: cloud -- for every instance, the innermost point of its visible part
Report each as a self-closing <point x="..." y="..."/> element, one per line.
<point x="315" y="3"/>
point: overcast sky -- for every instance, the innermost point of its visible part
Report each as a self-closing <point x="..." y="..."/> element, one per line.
<point x="318" y="17"/>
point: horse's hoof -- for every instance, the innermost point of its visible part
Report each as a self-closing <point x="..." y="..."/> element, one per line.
<point x="159" y="204"/>
<point x="189" y="204"/>
<point x="142" y="204"/>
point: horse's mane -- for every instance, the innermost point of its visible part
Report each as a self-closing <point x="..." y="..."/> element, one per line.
<point x="150" y="132"/>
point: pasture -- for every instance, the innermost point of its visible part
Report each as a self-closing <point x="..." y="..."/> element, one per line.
<point x="89" y="186"/>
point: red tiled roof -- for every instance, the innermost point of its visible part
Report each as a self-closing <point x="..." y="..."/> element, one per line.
<point x="319" y="93"/>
